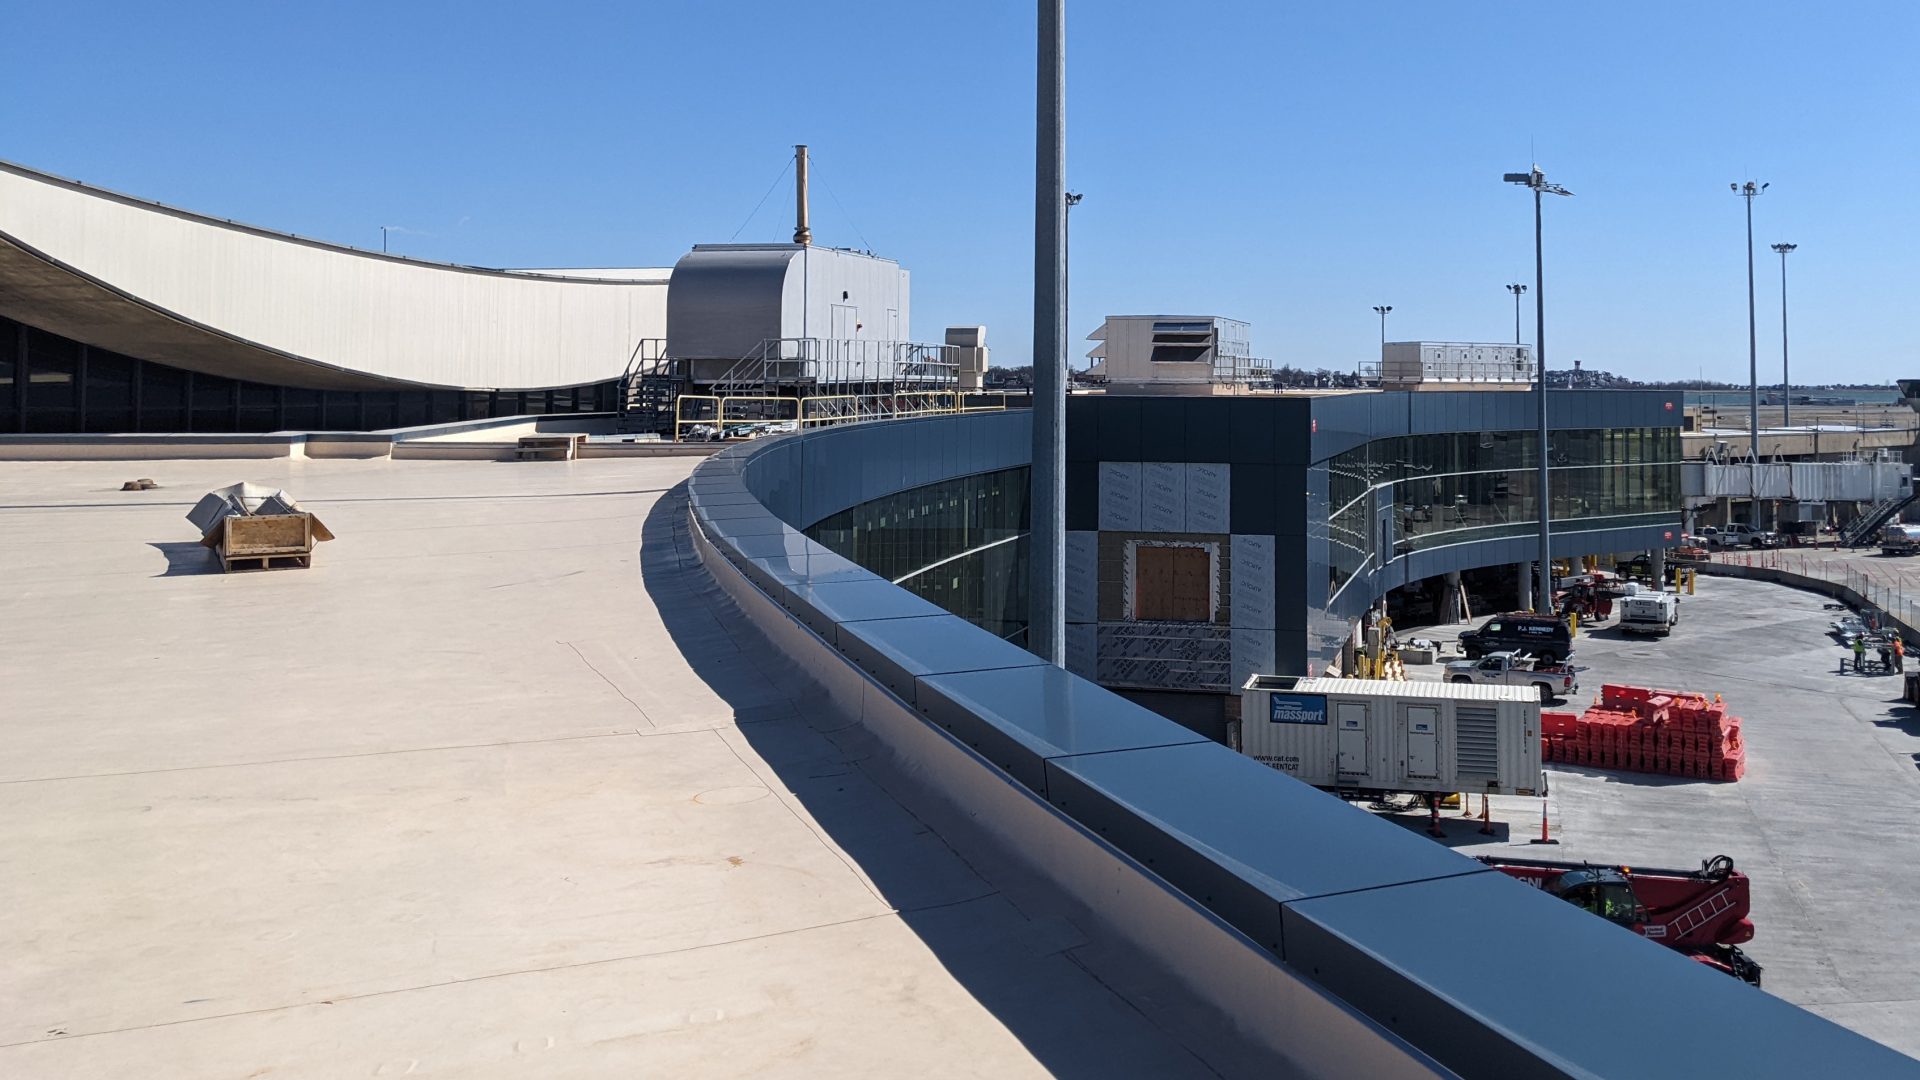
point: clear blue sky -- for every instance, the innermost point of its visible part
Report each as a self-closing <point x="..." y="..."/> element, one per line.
<point x="1288" y="164"/>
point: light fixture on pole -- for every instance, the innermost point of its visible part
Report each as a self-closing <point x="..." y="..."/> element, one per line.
<point x="1518" y="291"/>
<point x="1383" y="309"/>
<point x="1536" y="181"/>
<point x="1750" y="191"/>
<point x="1786" y="380"/>
<point x="1066" y="269"/>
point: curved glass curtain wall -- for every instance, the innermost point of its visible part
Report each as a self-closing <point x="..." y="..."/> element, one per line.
<point x="52" y="384"/>
<point x="960" y="544"/>
<point x="1460" y="487"/>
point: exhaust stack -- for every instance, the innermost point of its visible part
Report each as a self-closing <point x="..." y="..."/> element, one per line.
<point x="801" y="234"/>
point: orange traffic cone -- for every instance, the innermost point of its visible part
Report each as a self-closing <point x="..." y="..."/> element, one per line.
<point x="1466" y="804"/>
<point x="1544" y="838"/>
<point x="1433" y="821"/>
<point x="1486" y="817"/>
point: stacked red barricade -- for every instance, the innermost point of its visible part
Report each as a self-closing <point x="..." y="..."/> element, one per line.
<point x="1636" y="729"/>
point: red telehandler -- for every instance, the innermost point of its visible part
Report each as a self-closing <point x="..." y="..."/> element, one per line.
<point x="1702" y="913"/>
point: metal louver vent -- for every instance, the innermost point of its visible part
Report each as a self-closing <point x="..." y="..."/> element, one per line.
<point x="1476" y="742"/>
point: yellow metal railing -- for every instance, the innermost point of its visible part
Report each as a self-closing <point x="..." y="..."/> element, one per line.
<point x="734" y="411"/>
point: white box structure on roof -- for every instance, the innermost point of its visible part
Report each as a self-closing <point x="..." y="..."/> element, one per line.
<point x="1373" y="736"/>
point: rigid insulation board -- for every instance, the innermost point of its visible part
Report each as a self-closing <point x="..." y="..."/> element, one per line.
<point x="1380" y="736"/>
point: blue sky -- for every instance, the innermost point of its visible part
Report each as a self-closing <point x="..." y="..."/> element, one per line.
<point x="1288" y="164"/>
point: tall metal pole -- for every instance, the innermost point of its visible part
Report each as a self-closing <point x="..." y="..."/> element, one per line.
<point x="1543" y="587"/>
<point x="1518" y="290"/>
<point x="1536" y="180"/>
<point x="1066" y="270"/>
<point x="1749" y="191"/>
<point x="1047" y="543"/>
<point x="1753" y="356"/>
<point x="1786" y="378"/>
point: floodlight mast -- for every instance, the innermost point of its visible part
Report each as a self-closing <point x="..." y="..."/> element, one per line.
<point x="1536" y="181"/>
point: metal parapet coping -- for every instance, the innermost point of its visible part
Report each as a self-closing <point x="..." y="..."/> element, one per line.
<point x="1463" y="965"/>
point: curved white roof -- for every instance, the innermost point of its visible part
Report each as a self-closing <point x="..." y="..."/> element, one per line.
<point x="228" y="299"/>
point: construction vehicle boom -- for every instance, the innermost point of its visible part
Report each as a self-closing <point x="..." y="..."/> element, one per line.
<point x="1702" y="913"/>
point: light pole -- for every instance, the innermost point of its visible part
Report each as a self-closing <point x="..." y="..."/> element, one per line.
<point x="1750" y="191"/>
<point x="1518" y="291"/>
<point x="1383" y="309"/>
<point x="383" y="239"/>
<point x="1786" y="380"/>
<point x="1047" y="538"/>
<point x="1536" y="181"/>
<point x="1066" y="269"/>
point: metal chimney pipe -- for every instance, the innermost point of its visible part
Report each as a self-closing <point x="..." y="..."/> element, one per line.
<point x="801" y="234"/>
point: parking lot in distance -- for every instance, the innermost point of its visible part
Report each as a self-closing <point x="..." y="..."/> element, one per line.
<point x="1823" y="822"/>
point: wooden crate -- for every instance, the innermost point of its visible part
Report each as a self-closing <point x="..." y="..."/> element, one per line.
<point x="266" y="541"/>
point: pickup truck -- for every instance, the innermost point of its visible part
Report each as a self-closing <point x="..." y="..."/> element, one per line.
<point x="1738" y="535"/>
<point x="1516" y="669"/>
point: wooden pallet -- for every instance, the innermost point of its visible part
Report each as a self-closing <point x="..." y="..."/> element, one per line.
<point x="267" y="562"/>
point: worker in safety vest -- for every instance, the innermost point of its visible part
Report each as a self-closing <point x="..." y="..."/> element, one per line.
<point x="1860" y="653"/>
<point x="1899" y="654"/>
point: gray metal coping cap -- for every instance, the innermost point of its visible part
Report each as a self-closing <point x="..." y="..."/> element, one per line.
<point x="775" y="545"/>
<point x="1238" y="837"/>
<point x="899" y="651"/>
<point x="783" y="573"/>
<point x="1494" y="978"/>
<point x="823" y="605"/>
<point x="1021" y="718"/>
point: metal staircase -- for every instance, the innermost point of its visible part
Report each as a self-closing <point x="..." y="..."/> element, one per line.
<point x="648" y="389"/>
<point x="1877" y="516"/>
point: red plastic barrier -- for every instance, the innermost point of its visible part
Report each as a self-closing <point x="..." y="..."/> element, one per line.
<point x="1640" y="729"/>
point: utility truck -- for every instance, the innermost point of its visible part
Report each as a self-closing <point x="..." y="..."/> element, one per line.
<point x="1649" y="611"/>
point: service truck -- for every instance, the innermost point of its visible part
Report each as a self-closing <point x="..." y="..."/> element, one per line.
<point x="1547" y="679"/>
<point x="1900" y="540"/>
<point x="1649" y="611"/>
<point x="1377" y="737"/>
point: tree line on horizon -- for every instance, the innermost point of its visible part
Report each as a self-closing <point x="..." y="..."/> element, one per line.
<point x="1291" y="377"/>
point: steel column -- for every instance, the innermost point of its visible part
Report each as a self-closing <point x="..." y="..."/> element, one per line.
<point x="1047" y="547"/>
<point x="1543" y="590"/>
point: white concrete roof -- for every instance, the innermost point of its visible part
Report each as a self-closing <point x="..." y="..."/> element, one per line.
<point x="496" y="788"/>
